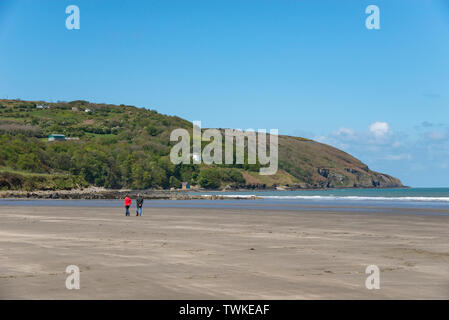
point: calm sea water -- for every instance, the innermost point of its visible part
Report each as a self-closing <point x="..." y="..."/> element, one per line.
<point x="394" y="198"/>
<point x="396" y="194"/>
<point x="413" y="200"/>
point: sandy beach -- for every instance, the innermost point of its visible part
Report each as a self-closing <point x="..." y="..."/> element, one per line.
<point x="221" y="253"/>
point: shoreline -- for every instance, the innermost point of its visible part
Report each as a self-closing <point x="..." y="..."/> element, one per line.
<point x="104" y="194"/>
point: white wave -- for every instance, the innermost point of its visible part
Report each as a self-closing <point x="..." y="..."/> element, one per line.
<point x="231" y="195"/>
<point x="359" y="198"/>
<point x="331" y="197"/>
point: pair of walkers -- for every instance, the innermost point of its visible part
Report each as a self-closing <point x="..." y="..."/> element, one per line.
<point x="139" y="204"/>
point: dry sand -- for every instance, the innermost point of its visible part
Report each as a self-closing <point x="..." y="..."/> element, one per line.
<point x="178" y="253"/>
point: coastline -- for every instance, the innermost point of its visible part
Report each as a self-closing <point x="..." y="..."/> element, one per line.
<point x="97" y="193"/>
<point x="152" y="194"/>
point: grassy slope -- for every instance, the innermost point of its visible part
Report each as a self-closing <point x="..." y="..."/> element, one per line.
<point x="29" y="181"/>
<point x="303" y="163"/>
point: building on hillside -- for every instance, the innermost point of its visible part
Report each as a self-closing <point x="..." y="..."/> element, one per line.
<point x="185" y="185"/>
<point x="56" y="137"/>
<point x="87" y="110"/>
<point x="42" y="106"/>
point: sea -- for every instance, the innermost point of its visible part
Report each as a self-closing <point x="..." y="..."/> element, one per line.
<point x="428" y="201"/>
<point x="426" y="196"/>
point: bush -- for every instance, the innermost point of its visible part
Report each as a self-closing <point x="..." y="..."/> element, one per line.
<point x="231" y="175"/>
<point x="209" y="179"/>
<point x="29" y="162"/>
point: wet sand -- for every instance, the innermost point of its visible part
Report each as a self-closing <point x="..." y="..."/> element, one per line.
<point x="209" y="253"/>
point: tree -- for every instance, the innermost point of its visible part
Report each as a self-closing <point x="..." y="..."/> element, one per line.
<point x="29" y="162"/>
<point x="209" y="179"/>
<point x="175" y="183"/>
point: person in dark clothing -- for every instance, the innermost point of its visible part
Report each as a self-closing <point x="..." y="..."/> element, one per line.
<point x="139" y="204"/>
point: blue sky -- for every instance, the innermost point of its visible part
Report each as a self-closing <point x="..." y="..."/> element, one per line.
<point x="307" y="68"/>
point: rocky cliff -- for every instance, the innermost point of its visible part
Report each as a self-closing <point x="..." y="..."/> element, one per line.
<point x="317" y="165"/>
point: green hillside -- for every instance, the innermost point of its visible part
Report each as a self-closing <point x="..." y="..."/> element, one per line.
<point x="127" y="147"/>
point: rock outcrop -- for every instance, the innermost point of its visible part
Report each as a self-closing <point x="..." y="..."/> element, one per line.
<point x="317" y="165"/>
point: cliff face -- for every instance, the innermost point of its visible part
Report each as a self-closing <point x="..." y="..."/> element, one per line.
<point x="317" y="165"/>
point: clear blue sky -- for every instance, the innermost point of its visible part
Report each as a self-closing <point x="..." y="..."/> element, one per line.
<point x="308" y="68"/>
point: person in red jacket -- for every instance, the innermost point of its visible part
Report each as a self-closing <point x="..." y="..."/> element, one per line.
<point x="127" y="204"/>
